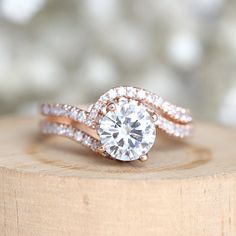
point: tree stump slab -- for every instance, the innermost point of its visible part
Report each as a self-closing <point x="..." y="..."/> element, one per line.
<point x="53" y="186"/>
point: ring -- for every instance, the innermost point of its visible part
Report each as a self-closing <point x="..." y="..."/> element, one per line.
<point x="123" y="124"/>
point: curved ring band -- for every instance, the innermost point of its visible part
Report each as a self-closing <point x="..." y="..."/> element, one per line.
<point x="122" y="124"/>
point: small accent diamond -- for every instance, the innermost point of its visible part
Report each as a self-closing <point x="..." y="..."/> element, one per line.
<point x="112" y="94"/>
<point x="78" y="136"/>
<point x="131" y="92"/>
<point x="121" y="91"/>
<point x="141" y="94"/>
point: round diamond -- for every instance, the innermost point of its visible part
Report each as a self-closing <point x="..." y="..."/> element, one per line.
<point x="127" y="132"/>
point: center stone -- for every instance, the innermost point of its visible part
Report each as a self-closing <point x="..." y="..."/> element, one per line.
<point x="128" y="132"/>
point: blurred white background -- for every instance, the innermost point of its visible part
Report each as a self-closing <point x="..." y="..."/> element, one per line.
<point x="72" y="51"/>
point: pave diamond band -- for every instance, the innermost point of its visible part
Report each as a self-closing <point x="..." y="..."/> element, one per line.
<point x="123" y="124"/>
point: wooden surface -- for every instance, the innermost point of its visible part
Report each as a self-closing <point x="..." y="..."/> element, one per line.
<point x="54" y="187"/>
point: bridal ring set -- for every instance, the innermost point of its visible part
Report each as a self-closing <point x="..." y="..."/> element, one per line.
<point x="123" y="124"/>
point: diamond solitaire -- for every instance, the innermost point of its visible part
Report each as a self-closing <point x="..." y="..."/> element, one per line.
<point x="127" y="132"/>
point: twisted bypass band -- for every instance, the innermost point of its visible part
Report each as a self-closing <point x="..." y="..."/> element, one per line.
<point x="123" y="124"/>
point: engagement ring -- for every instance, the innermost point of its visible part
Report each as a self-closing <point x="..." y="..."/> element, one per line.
<point x="123" y="124"/>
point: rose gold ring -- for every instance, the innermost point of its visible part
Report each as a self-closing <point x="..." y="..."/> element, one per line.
<point x="123" y="124"/>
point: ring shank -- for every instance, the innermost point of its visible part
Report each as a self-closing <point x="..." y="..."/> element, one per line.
<point x="70" y="122"/>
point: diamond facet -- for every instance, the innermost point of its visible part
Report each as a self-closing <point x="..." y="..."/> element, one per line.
<point x="128" y="132"/>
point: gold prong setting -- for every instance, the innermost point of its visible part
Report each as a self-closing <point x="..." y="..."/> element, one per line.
<point x="143" y="158"/>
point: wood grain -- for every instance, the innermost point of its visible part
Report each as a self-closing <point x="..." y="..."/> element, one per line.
<point x="52" y="186"/>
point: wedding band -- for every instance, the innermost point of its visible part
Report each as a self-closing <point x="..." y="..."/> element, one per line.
<point x="123" y="124"/>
